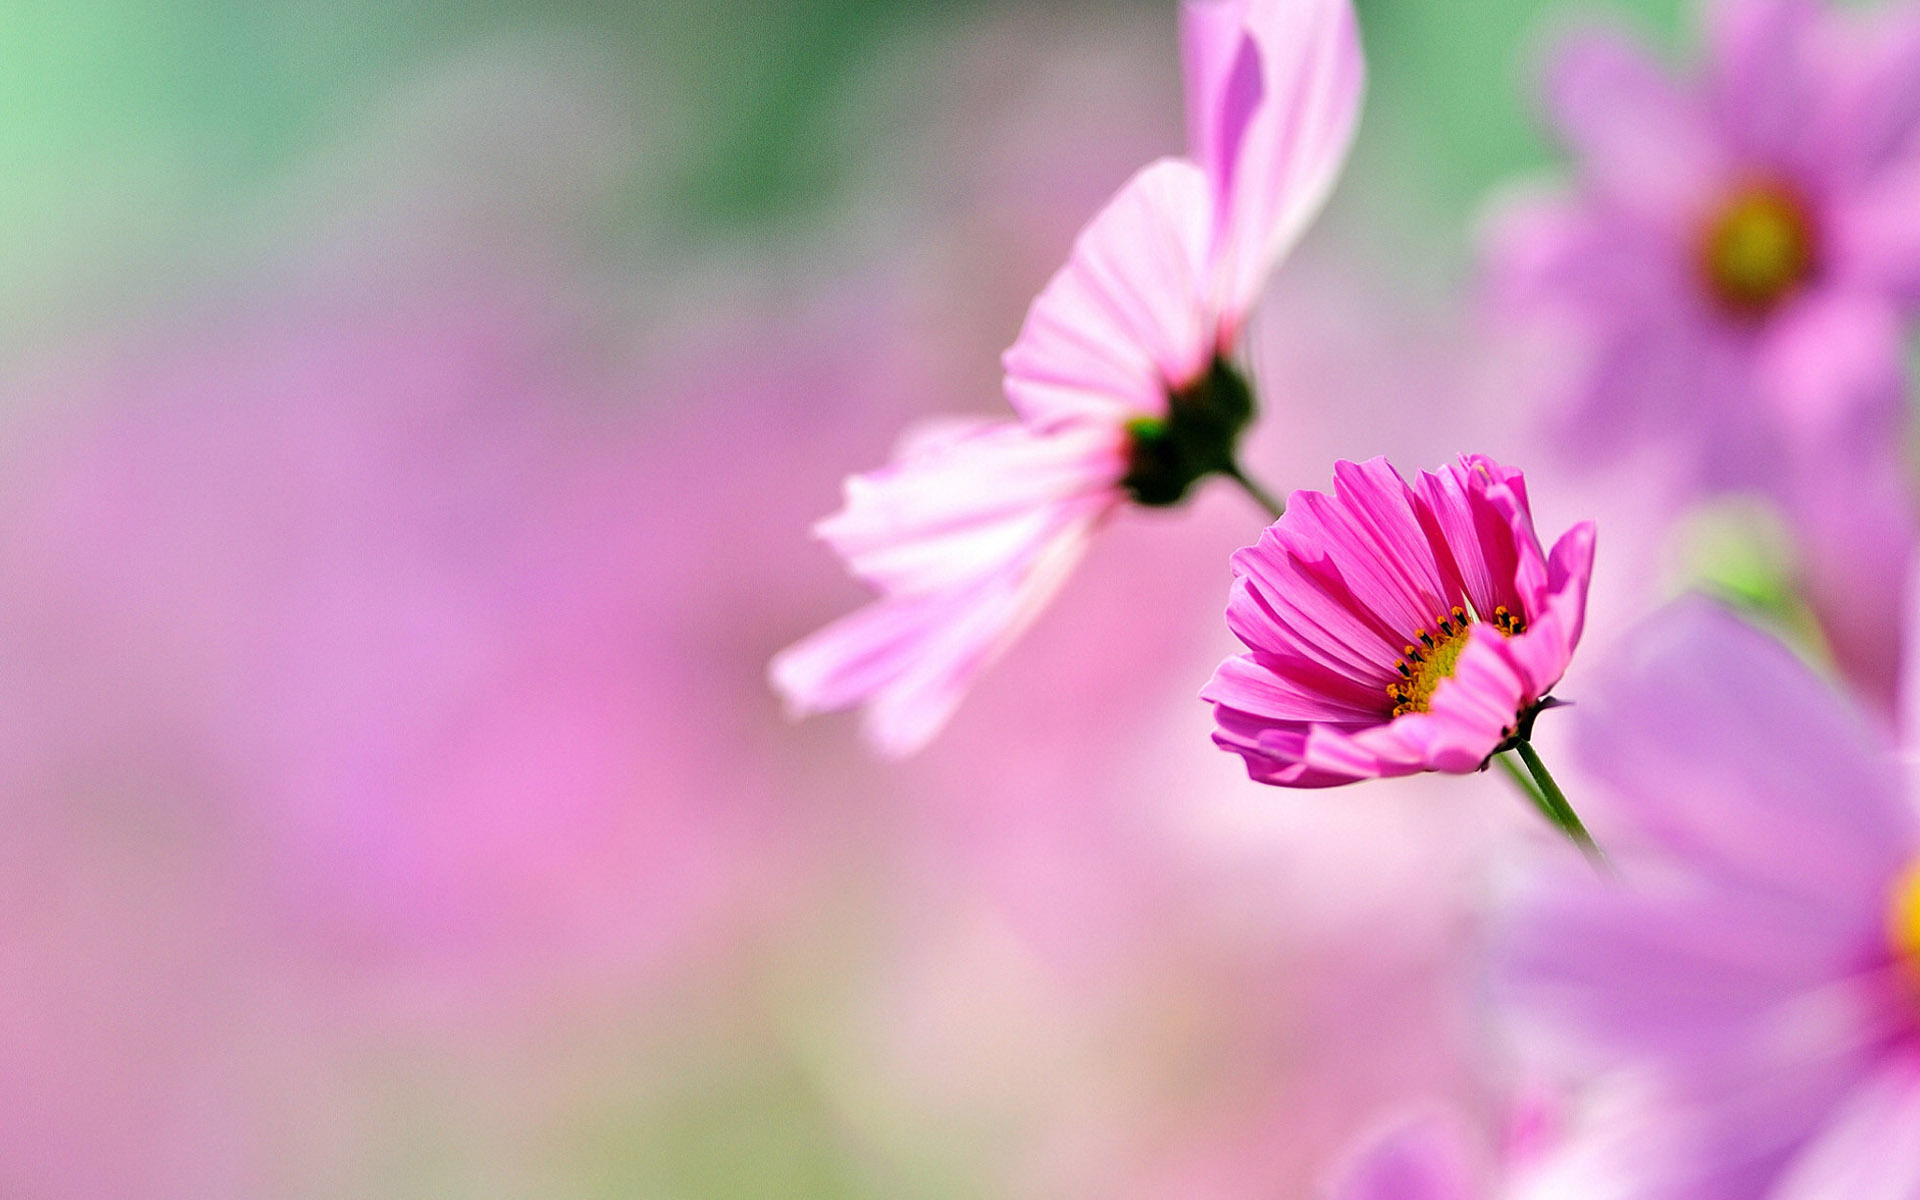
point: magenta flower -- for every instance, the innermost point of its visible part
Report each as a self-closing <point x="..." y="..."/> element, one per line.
<point x="1120" y="379"/>
<point x="1729" y="277"/>
<point x="1395" y="627"/>
<point x="1752" y="978"/>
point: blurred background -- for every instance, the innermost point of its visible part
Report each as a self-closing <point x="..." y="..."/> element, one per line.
<point x="413" y="415"/>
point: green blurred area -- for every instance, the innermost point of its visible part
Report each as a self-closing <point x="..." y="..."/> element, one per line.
<point x="127" y="121"/>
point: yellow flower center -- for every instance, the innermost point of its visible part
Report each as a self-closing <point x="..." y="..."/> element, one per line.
<point x="1422" y="667"/>
<point x="1758" y="248"/>
<point x="1903" y="918"/>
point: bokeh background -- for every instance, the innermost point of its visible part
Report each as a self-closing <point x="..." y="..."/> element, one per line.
<point x="413" y="414"/>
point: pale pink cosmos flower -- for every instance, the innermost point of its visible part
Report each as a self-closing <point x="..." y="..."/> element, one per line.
<point x="1119" y="378"/>
<point x="1395" y="627"/>
<point x="1743" y="1001"/>
<point x="1728" y="280"/>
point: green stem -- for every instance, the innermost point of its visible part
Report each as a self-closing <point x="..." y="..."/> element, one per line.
<point x="1552" y="802"/>
<point x="1524" y="782"/>
<point x="1261" y="496"/>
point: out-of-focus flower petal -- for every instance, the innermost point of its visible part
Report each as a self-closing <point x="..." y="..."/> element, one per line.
<point x="1874" y="238"/>
<point x="1833" y="375"/>
<point x="960" y="501"/>
<point x="910" y="659"/>
<point x="1224" y="84"/>
<point x="1644" y="142"/>
<point x="1763" y="82"/>
<point x="1870" y="119"/>
<point x="967" y="537"/>
<point x="1726" y="752"/>
<point x="1124" y="320"/>
<point x="1738" y="971"/>
<point x="1312" y="75"/>
<point x="1866" y="1152"/>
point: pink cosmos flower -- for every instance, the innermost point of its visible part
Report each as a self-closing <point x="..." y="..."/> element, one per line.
<point x="1750" y="984"/>
<point x="1119" y="378"/>
<point x="1396" y="627"/>
<point x="1729" y="277"/>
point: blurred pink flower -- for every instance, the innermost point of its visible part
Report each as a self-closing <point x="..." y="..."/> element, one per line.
<point x="1752" y="981"/>
<point x="1118" y="377"/>
<point x="1729" y="278"/>
<point x="1396" y="628"/>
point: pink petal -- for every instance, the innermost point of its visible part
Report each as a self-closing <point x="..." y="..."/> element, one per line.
<point x="1832" y="373"/>
<point x="1874" y="236"/>
<point x="1543" y="651"/>
<point x="1276" y="753"/>
<point x="1871" y="116"/>
<point x="1867" y="1152"/>
<point x="1124" y="320"/>
<point x="1221" y="66"/>
<point x="1728" y="999"/>
<point x="1282" y="601"/>
<point x="958" y="503"/>
<point x="1645" y="143"/>
<point x="911" y="659"/>
<point x="1282" y="687"/>
<point x="1370" y="538"/>
<point x="967" y="536"/>
<point x="1765" y="82"/>
<point x="1293" y="147"/>
<point x="1728" y="756"/>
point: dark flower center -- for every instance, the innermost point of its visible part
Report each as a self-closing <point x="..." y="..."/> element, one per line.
<point x="1196" y="438"/>
<point x="1759" y="247"/>
<point x="1422" y="667"/>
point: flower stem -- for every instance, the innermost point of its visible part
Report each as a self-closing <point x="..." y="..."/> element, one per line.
<point x="1261" y="496"/>
<point x="1552" y="802"/>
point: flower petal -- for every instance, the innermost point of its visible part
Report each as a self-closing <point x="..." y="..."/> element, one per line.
<point x="1855" y="1156"/>
<point x="1765" y="79"/>
<point x="961" y="500"/>
<point x="910" y="659"/>
<point x="1832" y="374"/>
<point x="1644" y="142"/>
<point x="967" y="535"/>
<point x="1224" y="85"/>
<point x="1312" y="75"/>
<point x="1725" y="755"/>
<point x="1874" y="236"/>
<point x="1124" y="320"/>
<point x="1871" y="116"/>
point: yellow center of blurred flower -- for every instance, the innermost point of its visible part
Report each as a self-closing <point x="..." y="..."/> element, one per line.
<point x="1423" y="666"/>
<point x="1903" y="918"/>
<point x="1758" y="248"/>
